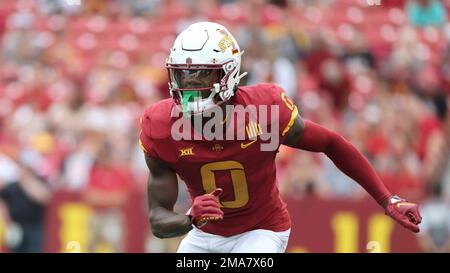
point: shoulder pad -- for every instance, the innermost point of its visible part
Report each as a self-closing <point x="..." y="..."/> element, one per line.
<point x="156" y="121"/>
<point x="260" y="94"/>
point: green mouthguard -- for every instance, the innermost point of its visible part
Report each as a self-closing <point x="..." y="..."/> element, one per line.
<point x="188" y="96"/>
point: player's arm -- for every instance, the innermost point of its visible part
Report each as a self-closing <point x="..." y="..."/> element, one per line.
<point x="309" y="136"/>
<point x="162" y="193"/>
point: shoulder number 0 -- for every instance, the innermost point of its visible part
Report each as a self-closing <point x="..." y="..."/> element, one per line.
<point x="287" y="101"/>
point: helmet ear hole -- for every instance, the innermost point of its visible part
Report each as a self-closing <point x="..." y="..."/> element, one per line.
<point x="229" y="67"/>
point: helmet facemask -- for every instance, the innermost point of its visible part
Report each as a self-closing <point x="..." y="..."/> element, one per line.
<point x="198" y="88"/>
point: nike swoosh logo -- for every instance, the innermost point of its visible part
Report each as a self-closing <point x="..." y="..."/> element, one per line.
<point x="245" y="145"/>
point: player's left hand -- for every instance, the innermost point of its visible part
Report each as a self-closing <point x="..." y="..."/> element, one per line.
<point x="405" y="213"/>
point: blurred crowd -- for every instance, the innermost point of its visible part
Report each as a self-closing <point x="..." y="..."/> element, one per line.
<point x="76" y="75"/>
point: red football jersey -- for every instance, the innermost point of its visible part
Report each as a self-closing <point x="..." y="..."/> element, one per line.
<point x="247" y="175"/>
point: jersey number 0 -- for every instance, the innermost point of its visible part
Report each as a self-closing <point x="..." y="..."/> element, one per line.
<point x="238" y="179"/>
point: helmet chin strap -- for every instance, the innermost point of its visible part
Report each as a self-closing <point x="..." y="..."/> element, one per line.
<point x="192" y="105"/>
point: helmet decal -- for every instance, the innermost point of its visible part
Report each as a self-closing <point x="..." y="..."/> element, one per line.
<point x="226" y="42"/>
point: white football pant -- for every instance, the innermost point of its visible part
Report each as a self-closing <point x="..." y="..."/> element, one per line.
<point x="259" y="240"/>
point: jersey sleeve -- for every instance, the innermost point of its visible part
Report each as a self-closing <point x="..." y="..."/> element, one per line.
<point x="288" y="111"/>
<point x="145" y="140"/>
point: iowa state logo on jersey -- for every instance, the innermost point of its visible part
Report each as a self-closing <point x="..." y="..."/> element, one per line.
<point x="217" y="147"/>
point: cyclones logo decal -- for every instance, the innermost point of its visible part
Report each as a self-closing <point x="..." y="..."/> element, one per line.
<point x="226" y="42"/>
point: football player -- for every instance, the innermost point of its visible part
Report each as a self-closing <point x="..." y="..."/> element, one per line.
<point x="236" y="205"/>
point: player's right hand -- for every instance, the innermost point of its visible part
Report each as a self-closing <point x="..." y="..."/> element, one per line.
<point x="206" y="208"/>
<point x="405" y="213"/>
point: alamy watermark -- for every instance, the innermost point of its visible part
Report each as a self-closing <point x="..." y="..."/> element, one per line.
<point x="229" y="123"/>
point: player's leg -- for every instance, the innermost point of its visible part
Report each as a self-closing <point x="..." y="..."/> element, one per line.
<point x="198" y="241"/>
<point x="262" y="240"/>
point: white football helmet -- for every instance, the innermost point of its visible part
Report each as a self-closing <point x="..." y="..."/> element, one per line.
<point x="203" y="66"/>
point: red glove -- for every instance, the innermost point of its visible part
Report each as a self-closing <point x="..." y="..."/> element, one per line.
<point x="405" y="213"/>
<point x="206" y="208"/>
